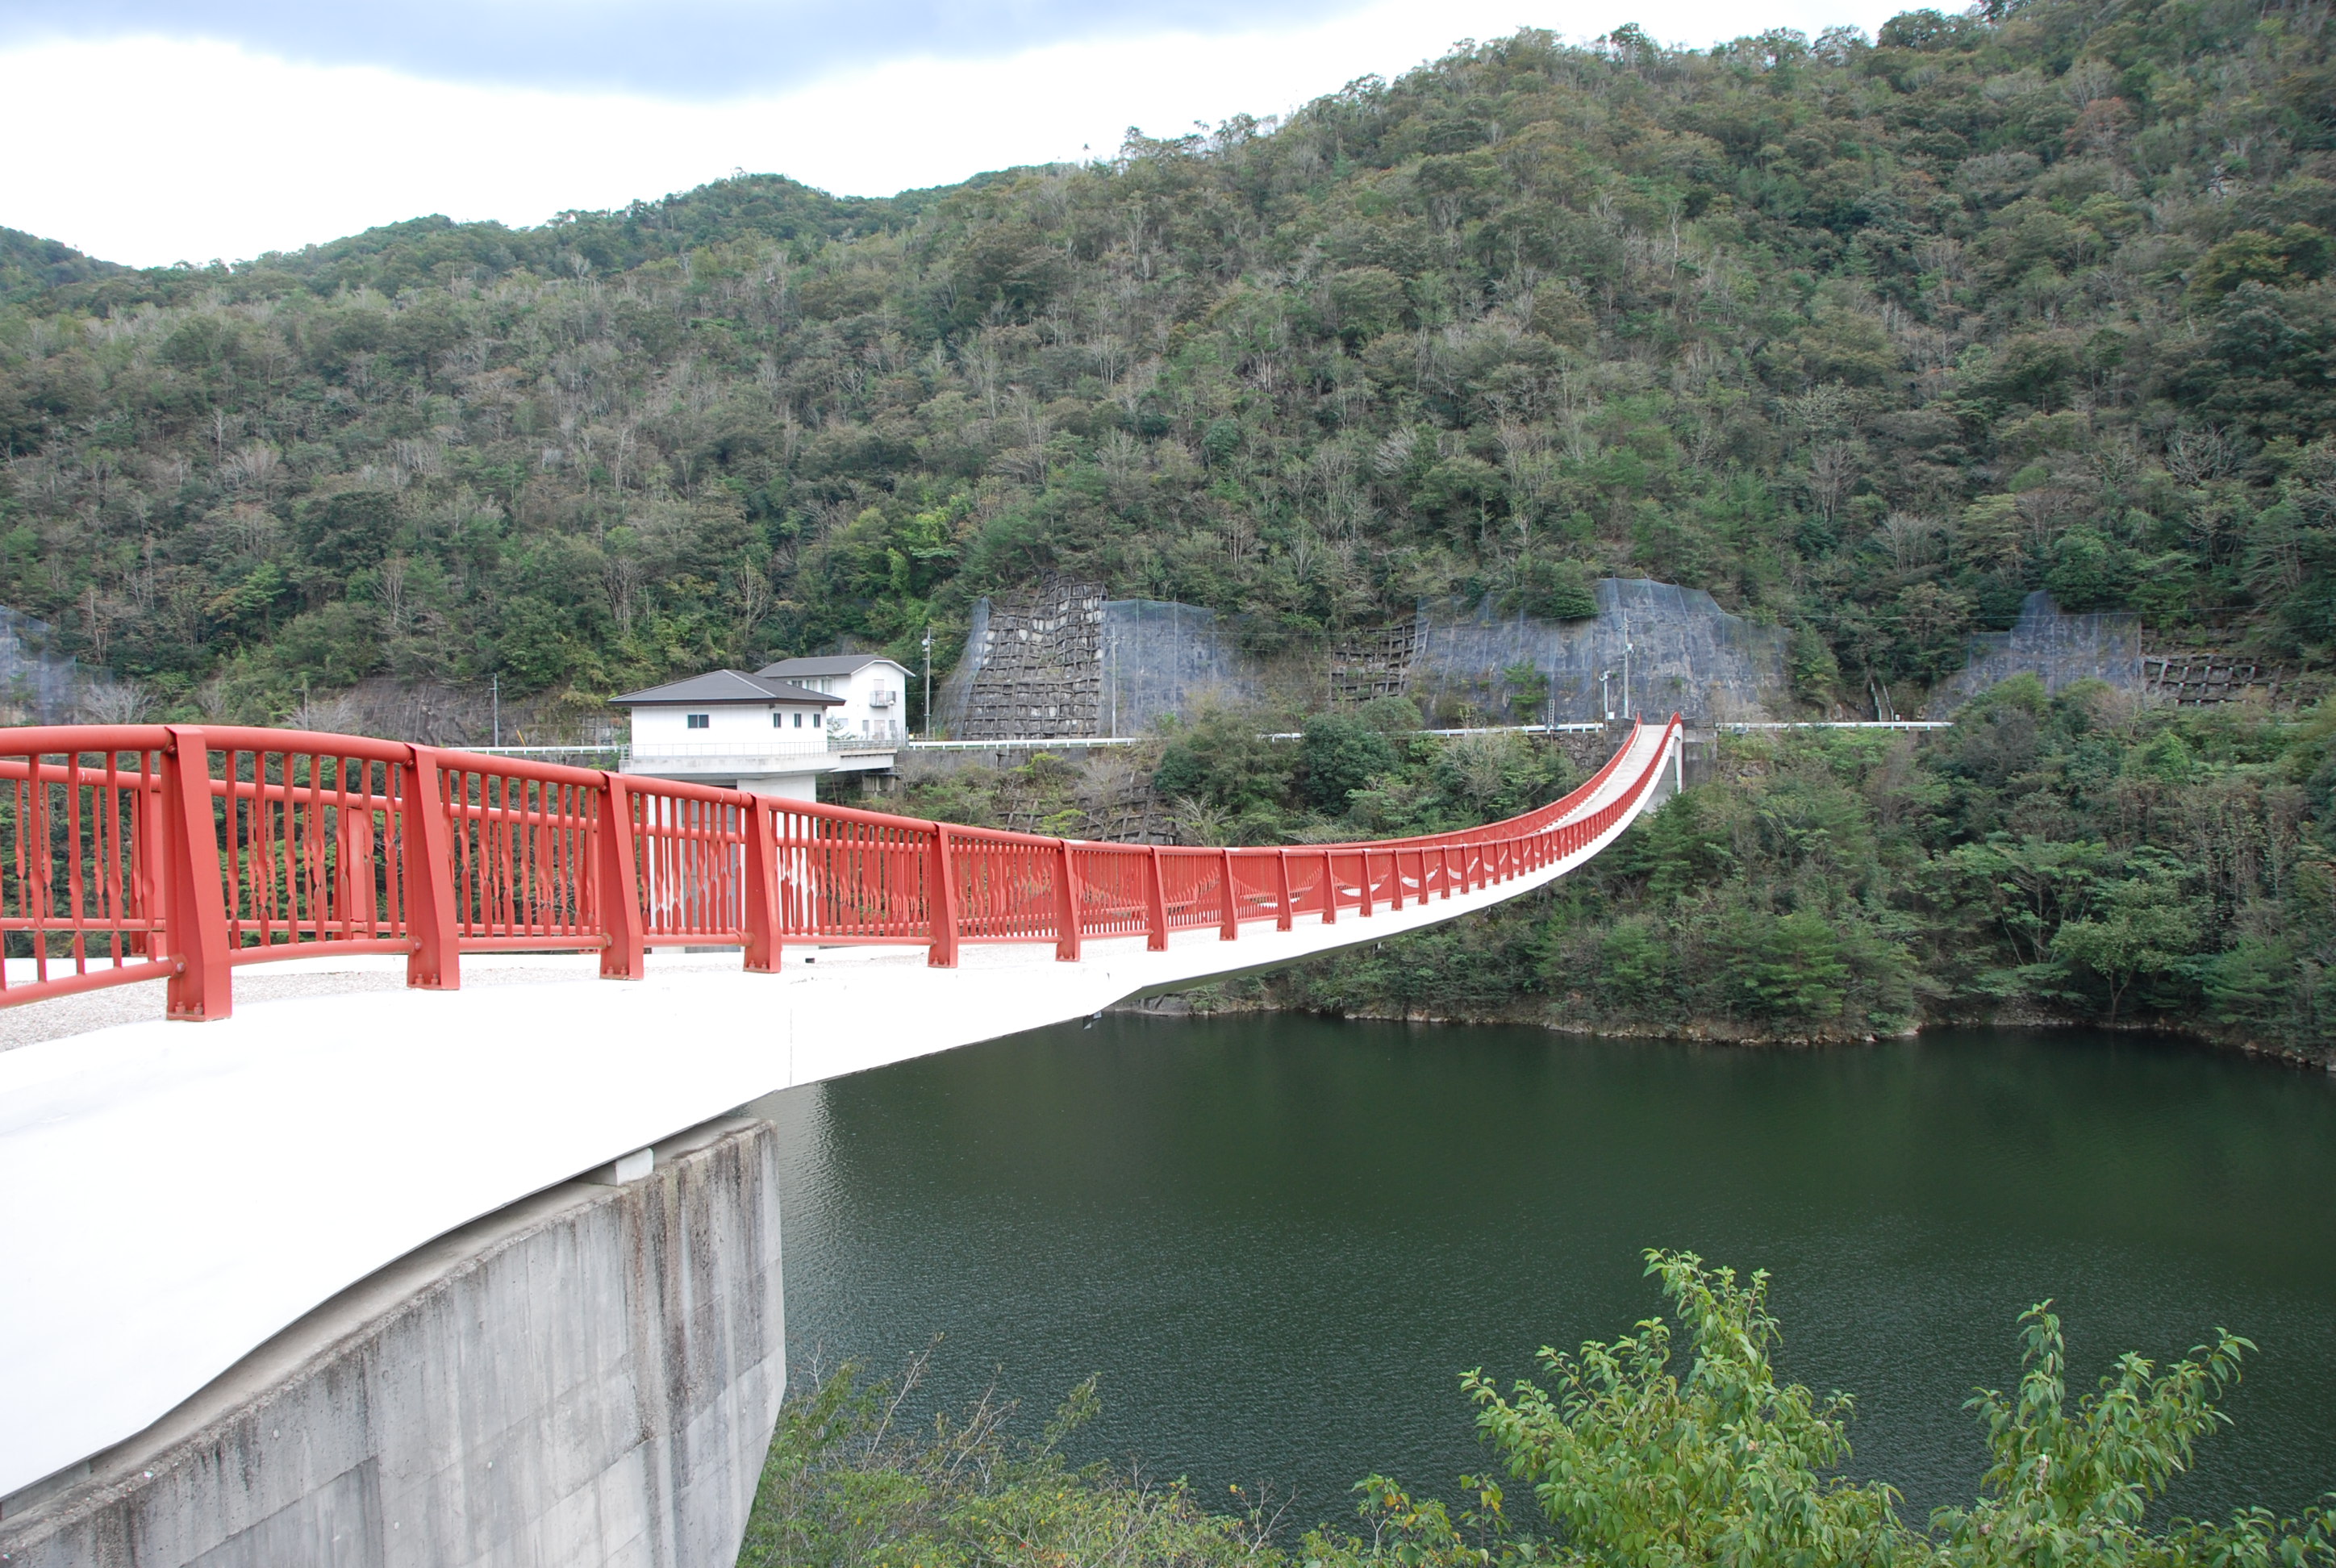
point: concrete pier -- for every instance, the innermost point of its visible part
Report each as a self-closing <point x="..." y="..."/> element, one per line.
<point x="588" y="1377"/>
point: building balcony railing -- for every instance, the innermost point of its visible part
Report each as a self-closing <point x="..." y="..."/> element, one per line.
<point x="743" y="755"/>
<point x="816" y="745"/>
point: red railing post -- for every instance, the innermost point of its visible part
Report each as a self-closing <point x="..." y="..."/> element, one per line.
<point x="426" y="850"/>
<point x="1155" y="902"/>
<point x="940" y="902"/>
<point x="1444" y="866"/>
<point x="145" y="891"/>
<point x="1281" y="890"/>
<point x="620" y="889"/>
<point x="1329" y="891"/>
<point x="202" y="989"/>
<point x="1229" y="929"/>
<point x="1067" y="904"/>
<point x="765" y="932"/>
<point x="1363" y="882"/>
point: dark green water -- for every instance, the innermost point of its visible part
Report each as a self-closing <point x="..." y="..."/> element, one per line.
<point x="1279" y="1239"/>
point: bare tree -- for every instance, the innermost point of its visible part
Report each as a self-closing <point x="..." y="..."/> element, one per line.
<point x="116" y="702"/>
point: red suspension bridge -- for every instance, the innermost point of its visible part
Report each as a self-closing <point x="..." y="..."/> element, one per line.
<point x="169" y="1199"/>
<point x="138" y="853"/>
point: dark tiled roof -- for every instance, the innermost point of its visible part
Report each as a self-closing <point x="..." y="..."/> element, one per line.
<point x="726" y="685"/>
<point x="835" y="664"/>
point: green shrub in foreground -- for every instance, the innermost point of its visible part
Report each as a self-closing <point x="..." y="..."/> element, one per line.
<point x="1629" y="1460"/>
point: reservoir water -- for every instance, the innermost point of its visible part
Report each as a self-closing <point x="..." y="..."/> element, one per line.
<point x="1279" y="1239"/>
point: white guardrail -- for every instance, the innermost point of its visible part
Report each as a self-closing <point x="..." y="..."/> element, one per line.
<point x="837" y="744"/>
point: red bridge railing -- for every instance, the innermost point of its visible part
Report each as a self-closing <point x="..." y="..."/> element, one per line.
<point x="142" y="852"/>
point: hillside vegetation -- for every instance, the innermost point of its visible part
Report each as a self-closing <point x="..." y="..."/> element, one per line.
<point x="1867" y="337"/>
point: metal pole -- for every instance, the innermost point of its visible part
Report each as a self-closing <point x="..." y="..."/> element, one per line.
<point x="929" y="683"/>
<point x="1626" y="664"/>
<point x="495" y="686"/>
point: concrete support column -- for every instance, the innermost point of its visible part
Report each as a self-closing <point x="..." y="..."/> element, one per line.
<point x="588" y="1378"/>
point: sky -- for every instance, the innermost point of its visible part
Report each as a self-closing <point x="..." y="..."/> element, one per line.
<point x="153" y="132"/>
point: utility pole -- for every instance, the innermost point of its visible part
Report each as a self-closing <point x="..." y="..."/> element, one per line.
<point x="928" y="681"/>
<point x="495" y="689"/>
<point x="1626" y="665"/>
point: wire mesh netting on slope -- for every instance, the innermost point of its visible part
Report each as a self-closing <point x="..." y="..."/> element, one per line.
<point x="1061" y="661"/>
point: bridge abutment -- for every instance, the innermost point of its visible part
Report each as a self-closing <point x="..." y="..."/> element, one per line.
<point x="590" y="1377"/>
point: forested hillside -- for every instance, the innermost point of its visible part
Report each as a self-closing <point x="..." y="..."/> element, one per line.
<point x="1867" y="337"/>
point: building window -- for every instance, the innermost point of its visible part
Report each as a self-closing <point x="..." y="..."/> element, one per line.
<point x="701" y="721"/>
<point x="798" y="718"/>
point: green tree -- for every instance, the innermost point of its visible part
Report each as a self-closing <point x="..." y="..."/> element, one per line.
<point x="2074" y="1483"/>
<point x="349" y="530"/>
<point x="1220" y="759"/>
<point x="2141" y="927"/>
<point x="1785" y="966"/>
<point x="1338" y="754"/>
<point x="1636" y="1461"/>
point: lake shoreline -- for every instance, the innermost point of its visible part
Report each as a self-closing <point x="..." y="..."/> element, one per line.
<point x="1214" y="1003"/>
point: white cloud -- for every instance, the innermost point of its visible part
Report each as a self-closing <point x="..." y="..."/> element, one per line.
<point x="149" y="151"/>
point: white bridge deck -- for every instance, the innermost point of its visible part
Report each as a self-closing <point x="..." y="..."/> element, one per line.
<point x="173" y="1194"/>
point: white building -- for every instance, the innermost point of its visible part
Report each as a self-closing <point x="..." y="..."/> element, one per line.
<point x="746" y="731"/>
<point x="874" y="689"/>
